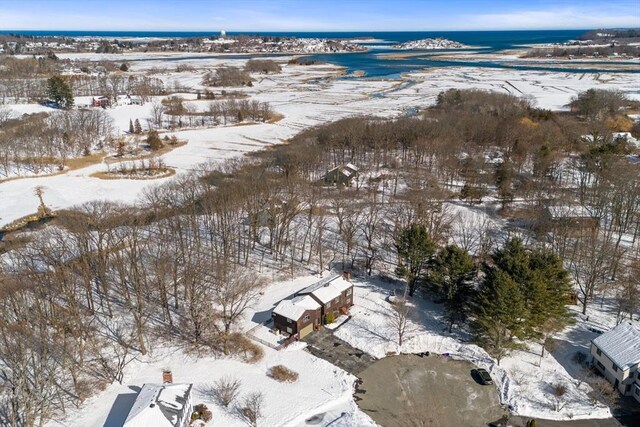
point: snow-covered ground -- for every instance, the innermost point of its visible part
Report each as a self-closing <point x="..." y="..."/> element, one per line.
<point x="306" y="96"/>
<point x="524" y="378"/>
<point x="322" y="389"/>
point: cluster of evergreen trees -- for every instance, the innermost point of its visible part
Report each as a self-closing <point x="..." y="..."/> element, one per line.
<point x="519" y="294"/>
<point x="135" y="127"/>
<point x="523" y="296"/>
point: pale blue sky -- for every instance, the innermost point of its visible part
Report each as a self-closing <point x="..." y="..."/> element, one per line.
<point x="320" y="15"/>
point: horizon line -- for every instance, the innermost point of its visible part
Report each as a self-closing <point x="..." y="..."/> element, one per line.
<point x="312" y="31"/>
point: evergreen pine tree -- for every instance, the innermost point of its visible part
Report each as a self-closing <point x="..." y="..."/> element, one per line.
<point x="451" y="273"/>
<point x="498" y="311"/>
<point x="59" y="91"/>
<point x="548" y="312"/>
<point x="131" y="129"/>
<point x="415" y="247"/>
<point x="138" y="127"/>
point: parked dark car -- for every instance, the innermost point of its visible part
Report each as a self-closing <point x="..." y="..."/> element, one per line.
<point x="482" y="376"/>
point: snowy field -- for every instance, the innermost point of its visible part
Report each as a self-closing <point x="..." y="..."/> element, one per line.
<point x="306" y="96"/>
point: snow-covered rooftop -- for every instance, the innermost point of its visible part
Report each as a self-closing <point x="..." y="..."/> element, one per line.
<point x="327" y="289"/>
<point x="294" y="308"/>
<point x="621" y="344"/>
<point x="159" y="405"/>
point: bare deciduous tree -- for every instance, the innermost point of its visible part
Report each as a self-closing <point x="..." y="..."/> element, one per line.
<point x="589" y="262"/>
<point x="251" y="407"/>
<point x="157" y="113"/>
<point x="234" y="291"/>
<point x="399" y="318"/>
<point x="226" y="390"/>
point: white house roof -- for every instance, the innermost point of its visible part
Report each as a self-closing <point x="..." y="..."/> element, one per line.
<point x="159" y="405"/>
<point x="327" y="289"/>
<point x="621" y="344"/>
<point x="294" y="308"/>
<point x="351" y="166"/>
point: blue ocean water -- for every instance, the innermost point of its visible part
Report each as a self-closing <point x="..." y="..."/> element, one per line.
<point x="370" y="62"/>
<point x="493" y="39"/>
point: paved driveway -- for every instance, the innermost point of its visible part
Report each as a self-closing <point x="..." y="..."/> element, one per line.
<point x="325" y="345"/>
<point x="408" y="391"/>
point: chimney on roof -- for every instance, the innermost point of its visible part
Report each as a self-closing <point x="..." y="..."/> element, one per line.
<point x="167" y="377"/>
<point x="346" y="275"/>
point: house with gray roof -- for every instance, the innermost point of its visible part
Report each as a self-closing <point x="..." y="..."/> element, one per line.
<point x="616" y="354"/>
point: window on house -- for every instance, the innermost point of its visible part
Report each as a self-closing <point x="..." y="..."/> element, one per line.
<point x="306" y="318"/>
<point x="327" y="305"/>
<point x="600" y="365"/>
<point x="637" y="391"/>
<point x="615" y="368"/>
<point x="598" y="352"/>
<point x="349" y="291"/>
<point x="289" y="321"/>
<point x="336" y="300"/>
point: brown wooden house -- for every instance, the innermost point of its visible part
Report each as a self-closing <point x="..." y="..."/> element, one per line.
<point x="334" y="294"/>
<point x="297" y="316"/>
<point x="573" y="221"/>
<point x="341" y="175"/>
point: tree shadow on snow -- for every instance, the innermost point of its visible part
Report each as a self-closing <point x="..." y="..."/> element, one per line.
<point x="576" y="340"/>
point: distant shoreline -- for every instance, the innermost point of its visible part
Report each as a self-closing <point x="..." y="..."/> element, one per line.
<point x="382" y="35"/>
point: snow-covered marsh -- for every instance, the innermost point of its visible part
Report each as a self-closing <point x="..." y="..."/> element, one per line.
<point x="306" y="96"/>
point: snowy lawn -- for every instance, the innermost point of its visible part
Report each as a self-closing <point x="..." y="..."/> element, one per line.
<point x="524" y="379"/>
<point x="321" y="389"/>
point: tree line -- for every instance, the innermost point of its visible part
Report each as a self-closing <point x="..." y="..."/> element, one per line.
<point x="105" y="283"/>
<point x="44" y="142"/>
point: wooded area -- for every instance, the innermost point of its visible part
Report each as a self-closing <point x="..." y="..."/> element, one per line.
<point x="104" y="283"/>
